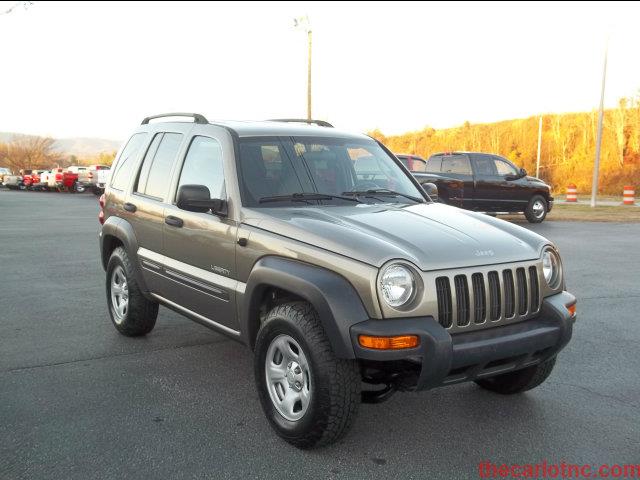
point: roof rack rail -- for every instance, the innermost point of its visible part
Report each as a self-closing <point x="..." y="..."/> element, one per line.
<point x="197" y="118"/>
<point x="320" y="123"/>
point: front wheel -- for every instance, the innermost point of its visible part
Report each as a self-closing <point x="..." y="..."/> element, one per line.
<point x="309" y="396"/>
<point x="520" y="380"/>
<point x="536" y="209"/>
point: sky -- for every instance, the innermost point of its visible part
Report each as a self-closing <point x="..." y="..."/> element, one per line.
<point x="96" y="69"/>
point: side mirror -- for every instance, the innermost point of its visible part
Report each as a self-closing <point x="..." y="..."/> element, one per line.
<point x="197" y="198"/>
<point x="523" y="173"/>
<point x="431" y="189"/>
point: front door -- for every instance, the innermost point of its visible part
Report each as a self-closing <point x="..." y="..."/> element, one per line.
<point x="495" y="190"/>
<point x="199" y="248"/>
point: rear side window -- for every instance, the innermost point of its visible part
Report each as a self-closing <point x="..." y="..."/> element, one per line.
<point x="124" y="167"/>
<point x="203" y="166"/>
<point x="458" y="164"/>
<point x="484" y="165"/>
<point x="434" y="164"/>
<point x="154" y="176"/>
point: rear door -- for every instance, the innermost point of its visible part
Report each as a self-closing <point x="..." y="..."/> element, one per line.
<point x="199" y="248"/>
<point x="457" y="169"/>
<point x="145" y="205"/>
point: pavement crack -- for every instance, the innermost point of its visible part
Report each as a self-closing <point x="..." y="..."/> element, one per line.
<point x="598" y="394"/>
<point x="89" y="359"/>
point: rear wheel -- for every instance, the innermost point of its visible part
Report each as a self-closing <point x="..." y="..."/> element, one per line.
<point x="520" y="380"/>
<point x="309" y="396"/>
<point x="536" y="209"/>
<point x="131" y="312"/>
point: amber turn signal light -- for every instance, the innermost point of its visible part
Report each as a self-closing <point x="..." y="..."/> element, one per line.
<point x="572" y="309"/>
<point x="389" y="343"/>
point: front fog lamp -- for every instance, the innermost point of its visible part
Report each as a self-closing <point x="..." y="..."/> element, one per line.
<point x="551" y="268"/>
<point x="397" y="285"/>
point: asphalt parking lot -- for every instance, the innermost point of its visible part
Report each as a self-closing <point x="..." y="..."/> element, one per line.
<point x="78" y="400"/>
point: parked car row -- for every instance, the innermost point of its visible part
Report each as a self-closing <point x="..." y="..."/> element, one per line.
<point x="482" y="182"/>
<point x="75" y="178"/>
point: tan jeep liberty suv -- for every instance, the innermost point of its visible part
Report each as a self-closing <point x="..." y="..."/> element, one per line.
<point x="319" y="250"/>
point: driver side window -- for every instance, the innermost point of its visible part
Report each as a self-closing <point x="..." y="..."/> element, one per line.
<point x="203" y="166"/>
<point x="504" y="168"/>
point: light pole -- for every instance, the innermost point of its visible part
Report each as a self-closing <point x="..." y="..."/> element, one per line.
<point x="304" y="24"/>
<point x="539" y="146"/>
<point x="596" y="164"/>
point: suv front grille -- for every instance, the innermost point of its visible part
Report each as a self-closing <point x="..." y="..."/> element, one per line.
<point x="487" y="297"/>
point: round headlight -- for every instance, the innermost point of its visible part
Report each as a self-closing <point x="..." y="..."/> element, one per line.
<point x="397" y="285"/>
<point x="551" y="268"/>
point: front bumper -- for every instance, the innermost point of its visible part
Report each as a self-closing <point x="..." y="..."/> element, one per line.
<point x="444" y="359"/>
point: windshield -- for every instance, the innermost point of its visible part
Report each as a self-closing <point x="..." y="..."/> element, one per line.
<point x="285" y="171"/>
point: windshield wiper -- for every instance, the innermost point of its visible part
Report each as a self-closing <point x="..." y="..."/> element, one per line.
<point x="305" y="197"/>
<point x="383" y="192"/>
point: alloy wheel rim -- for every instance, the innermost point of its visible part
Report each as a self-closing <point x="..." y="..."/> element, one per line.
<point x="288" y="377"/>
<point x="538" y="208"/>
<point x="119" y="294"/>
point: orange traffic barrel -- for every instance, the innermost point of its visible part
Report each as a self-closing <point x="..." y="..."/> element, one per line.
<point x="572" y="193"/>
<point x="628" y="195"/>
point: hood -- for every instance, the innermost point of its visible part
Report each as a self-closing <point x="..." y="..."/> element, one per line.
<point x="536" y="180"/>
<point x="432" y="236"/>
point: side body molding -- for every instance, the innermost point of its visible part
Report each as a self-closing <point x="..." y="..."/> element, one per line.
<point x="118" y="228"/>
<point x="334" y="298"/>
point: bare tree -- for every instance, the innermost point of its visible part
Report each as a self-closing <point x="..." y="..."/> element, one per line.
<point x="27" y="151"/>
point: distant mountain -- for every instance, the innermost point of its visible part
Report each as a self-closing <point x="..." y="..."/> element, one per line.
<point x="78" y="146"/>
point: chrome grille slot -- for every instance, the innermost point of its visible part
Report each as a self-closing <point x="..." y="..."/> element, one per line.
<point x="509" y="294"/>
<point x="535" y="289"/>
<point x="523" y="299"/>
<point x="482" y="297"/>
<point x="443" y="292"/>
<point x="462" y="300"/>
<point x="479" y="298"/>
<point x="494" y="296"/>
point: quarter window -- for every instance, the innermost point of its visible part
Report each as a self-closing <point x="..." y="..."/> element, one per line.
<point x="156" y="168"/>
<point x="123" y="168"/>
<point x="203" y="166"/>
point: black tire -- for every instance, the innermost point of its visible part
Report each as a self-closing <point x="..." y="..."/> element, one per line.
<point x="141" y="313"/>
<point x="537" y="209"/>
<point x="520" y="380"/>
<point x="335" y="396"/>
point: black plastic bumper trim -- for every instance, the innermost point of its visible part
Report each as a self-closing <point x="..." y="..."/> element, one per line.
<point x="441" y="354"/>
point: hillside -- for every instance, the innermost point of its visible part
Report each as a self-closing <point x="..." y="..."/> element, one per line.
<point x="568" y="145"/>
<point x="78" y="146"/>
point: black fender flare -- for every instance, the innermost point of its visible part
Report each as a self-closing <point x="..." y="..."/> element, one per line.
<point x="338" y="304"/>
<point x="120" y="229"/>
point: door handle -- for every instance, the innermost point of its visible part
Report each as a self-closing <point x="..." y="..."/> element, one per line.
<point x="174" y="221"/>
<point x="129" y="207"/>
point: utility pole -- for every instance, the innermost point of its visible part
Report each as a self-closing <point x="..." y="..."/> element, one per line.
<point x="304" y="24"/>
<point x="596" y="164"/>
<point x="539" y="147"/>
